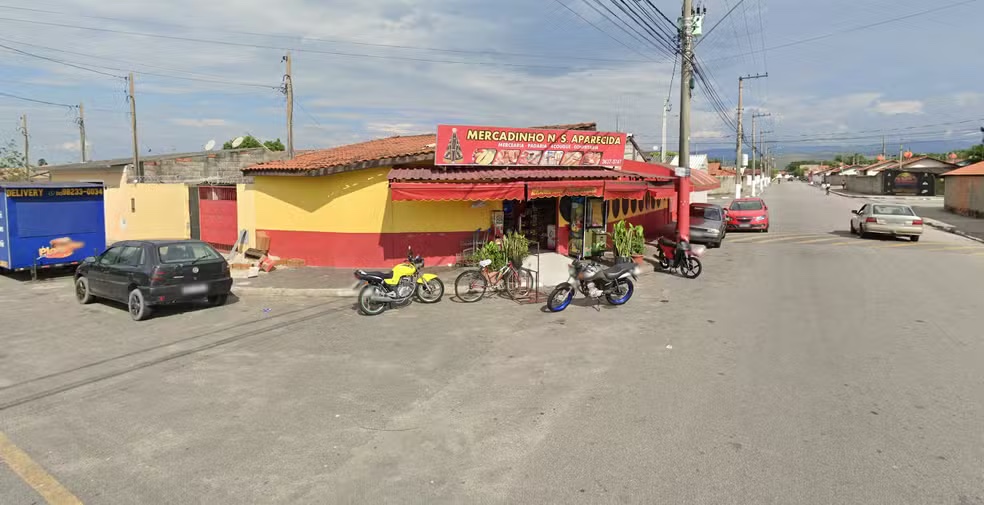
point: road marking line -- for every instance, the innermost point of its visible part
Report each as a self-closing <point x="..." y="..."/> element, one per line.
<point x="790" y="237"/>
<point x="759" y="238"/>
<point x="846" y="242"/>
<point x="820" y="240"/>
<point x="34" y="475"/>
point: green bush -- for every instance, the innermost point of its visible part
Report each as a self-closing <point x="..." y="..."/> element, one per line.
<point x="516" y="248"/>
<point x="491" y="251"/>
<point x="628" y="239"/>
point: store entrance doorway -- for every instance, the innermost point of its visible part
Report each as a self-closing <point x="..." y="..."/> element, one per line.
<point x="536" y="219"/>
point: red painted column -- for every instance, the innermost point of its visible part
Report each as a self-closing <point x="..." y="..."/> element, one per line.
<point x="683" y="208"/>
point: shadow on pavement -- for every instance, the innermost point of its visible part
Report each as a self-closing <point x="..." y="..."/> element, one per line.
<point x="169" y="310"/>
<point x="44" y="274"/>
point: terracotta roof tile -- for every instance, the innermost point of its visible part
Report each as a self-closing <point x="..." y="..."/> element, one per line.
<point x="975" y="169"/>
<point x="372" y="151"/>
<point x="499" y="174"/>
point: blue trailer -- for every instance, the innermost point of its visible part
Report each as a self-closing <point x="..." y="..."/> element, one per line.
<point x="50" y="224"/>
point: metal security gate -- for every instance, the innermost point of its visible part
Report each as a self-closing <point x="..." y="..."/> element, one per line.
<point x="218" y="220"/>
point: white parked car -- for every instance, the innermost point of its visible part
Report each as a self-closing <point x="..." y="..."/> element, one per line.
<point x="886" y="219"/>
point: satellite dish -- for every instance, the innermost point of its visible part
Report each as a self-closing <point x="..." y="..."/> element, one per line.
<point x="238" y="141"/>
<point x="210" y="145"/>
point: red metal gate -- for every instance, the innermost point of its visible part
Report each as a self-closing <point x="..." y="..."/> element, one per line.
<point x="217" y="215"/>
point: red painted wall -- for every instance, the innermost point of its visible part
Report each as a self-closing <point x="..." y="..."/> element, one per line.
<point x="365" y="250"/>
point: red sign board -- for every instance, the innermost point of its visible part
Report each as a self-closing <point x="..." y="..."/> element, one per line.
<point x="489" y="145"/>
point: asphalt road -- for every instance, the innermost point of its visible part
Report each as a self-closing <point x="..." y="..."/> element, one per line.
<point x="804" y="366"/>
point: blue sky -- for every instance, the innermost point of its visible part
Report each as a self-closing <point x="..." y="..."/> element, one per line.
<point x="839" y="69"/>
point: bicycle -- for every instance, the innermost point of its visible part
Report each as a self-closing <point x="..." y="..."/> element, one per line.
<point x="471" y="285"/>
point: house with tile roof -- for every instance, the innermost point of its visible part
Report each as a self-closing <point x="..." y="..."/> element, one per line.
<point x="964" y="190"/>
<point x="917" y="176"/>
<point x="363" y="204"/>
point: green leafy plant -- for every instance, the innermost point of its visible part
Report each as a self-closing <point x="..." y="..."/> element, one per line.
<point x="491" y="251"/>
<point x="516" y="248"/>
<point x="638" y="240"/>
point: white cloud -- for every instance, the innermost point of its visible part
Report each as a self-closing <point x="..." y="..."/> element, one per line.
<point x="398" y="128"/>
<point x="199" y="123"/>
<point x="74" y="146"/>
<point x="898" y="107"/>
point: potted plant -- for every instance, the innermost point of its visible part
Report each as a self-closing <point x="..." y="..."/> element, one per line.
<point x="638" y="246"/>
<point x="516" y="248"/>
<point x="622" y="240"/>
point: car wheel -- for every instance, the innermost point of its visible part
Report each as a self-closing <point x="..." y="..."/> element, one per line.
<point x="853" y="230"/>
<point x="137" y="306"/>
<point x="914" y="238"/>
<point x="82" y="293"/>
<point x="861" y="232"/>
<point x="218" y="300"/>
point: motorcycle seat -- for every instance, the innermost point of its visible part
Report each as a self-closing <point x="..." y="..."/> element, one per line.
<point x="618" y="270"/>
<point x="667" y="242"/>
<point x="378" y="274"/>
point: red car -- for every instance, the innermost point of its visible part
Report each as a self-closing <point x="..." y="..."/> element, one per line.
<point x="747" y="214"/>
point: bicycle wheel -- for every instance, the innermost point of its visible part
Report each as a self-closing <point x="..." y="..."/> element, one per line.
<point x="470" y="286"/>
<point x="519" y="283"/>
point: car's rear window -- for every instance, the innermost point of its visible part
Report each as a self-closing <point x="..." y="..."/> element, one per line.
<point x="748" y="205"/>
<point x="893" y="210"/>
<point x="191" y="251"/>
<point x="708" y="213"/>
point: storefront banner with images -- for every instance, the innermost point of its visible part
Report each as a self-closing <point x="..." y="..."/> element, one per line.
<point x="456" y="191"/>
<point x="490" y="145"/>
<point x="552" y="189"/>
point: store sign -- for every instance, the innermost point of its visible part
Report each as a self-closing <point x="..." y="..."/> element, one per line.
<point x="52" y="192"/>
<point x="487" y="145"/>
<point x="558" y="191"/>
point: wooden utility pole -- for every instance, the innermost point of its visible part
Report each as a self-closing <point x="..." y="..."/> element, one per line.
<point x="27" y="147"/>
<point x="137" y="169"/>
<point x="289" y="90"/>
<point x="82" y="131"/>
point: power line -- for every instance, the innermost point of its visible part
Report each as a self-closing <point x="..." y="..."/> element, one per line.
<point x="624" y="26"/>
<point x="600" y="29"/>
<point x="282" y="48"/>
<point x="661" y="37"/>
<point x="25" y="53"/>
<point x="851" y="29"/>
<point x="709" y="32"/>
<point x="43" y="102"/>
<point x="339" y="41"/>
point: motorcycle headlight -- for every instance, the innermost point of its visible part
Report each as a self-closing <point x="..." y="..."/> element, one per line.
<point x="760" y="218"/>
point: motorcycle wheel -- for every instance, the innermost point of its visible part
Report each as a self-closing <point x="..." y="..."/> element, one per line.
<point x="662" y="262"/>
<point x="470" y="286"/>
<point x="560" y="298"/>
<point x="430" y="291"/>
<point x="692" y="268"/>
<point x="366" y="305"/>
<point x="625" y="290"/>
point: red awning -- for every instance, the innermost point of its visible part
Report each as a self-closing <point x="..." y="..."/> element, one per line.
<point x="451" y="191"/>
<point x="627" y="190"/>
<point x="663" y="191"/>
<point x="565" y="188"/>
<point x="651" y="171"/>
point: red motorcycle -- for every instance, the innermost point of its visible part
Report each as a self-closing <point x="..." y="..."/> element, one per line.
<point x="680" y="256"/>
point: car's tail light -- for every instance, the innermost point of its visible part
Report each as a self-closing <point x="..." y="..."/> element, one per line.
<point x="871" y="220"/>
<point x="917" y="222"/>
<point x="158" y="275"/>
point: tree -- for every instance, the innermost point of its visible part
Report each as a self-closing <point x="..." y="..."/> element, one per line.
<point x="251" y="142"/>
<point x="11" y="163"/>
<point x="275" y="145"/>
<point x="974" y="154"/>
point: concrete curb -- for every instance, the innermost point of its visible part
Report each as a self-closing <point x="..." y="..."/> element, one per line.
<point x="885" y="197"/>
<point x="949" y="228"/>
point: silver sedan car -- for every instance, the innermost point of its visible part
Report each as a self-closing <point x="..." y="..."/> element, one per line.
<point x="886" y="219"/>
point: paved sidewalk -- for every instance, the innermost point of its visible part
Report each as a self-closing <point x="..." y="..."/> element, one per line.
<point x="913" y="199"/>
<point x="317" y="281"/>
<point x="954" y="223"/>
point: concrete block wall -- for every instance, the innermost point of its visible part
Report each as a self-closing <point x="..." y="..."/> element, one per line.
<point x="221" y="165"/>
<point x="727" y="186"/>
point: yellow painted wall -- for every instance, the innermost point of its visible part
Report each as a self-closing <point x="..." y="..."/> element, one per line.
<point x="246" y="211"/>
<point x="109" y="178"/>
<point x="357" y="202"/>
<point x="147" y="211"/>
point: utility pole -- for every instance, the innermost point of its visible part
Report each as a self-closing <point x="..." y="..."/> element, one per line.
<point x="27" y="147"/>
<point x="741" y="133"/>
<point x="762" y="178"/>
<point x="82" y="130"/>
<point x="686" y="76"/>
<point x="289" y="90"/>
<point x="137" y="169"/>
<point x="662" y="147"/>
<point x="883" y="145"/>
<point x="755" y="147"/>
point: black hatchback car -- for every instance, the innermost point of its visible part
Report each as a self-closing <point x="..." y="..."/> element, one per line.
<point x="145" y="273"/>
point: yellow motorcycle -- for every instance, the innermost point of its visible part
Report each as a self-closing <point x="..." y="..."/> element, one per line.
<point x="398" y="287"/>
